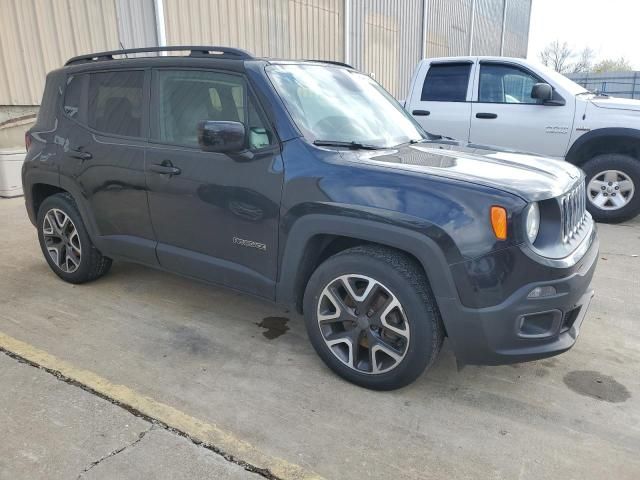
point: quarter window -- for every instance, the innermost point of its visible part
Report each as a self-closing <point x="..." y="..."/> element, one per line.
<point x="73" y="106"/>
<point x="505" y="84"/>
<point x="446" y="82"/>
<point x="187" y="98"/>
<point x="115" y="102"/>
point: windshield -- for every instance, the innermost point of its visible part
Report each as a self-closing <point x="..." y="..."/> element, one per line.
<point x="339" y="105"/>
<point x="557" y="78"/>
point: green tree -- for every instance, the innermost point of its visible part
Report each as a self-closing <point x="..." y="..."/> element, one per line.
<point x="613" y="65"/>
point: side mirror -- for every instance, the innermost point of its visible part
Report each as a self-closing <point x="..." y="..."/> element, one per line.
<point x="542" y="92"/>
<point x="221" y="137"/>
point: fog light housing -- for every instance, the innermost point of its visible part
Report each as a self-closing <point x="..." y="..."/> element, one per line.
<point x="540" y="324"/>
<point x="539" y="292"/>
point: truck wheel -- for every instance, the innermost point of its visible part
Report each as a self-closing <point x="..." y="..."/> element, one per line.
<point x="371" y="316"/>
<point x="612" y="182"/>
<point x="65" y="243"/>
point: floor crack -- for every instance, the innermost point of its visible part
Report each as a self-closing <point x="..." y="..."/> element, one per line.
<point x="116" y="452"/>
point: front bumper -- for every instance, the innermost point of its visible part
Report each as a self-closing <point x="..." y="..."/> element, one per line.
<point x="503" y="333"/>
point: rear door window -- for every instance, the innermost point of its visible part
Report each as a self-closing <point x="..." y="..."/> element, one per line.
<point x="446" y="82"/>
<point x="115" y="102"/>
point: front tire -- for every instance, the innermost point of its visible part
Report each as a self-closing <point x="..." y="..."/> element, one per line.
<point x="65" y="243"/>
<point x="613" y="187"/>
<point x="372" y="318"/>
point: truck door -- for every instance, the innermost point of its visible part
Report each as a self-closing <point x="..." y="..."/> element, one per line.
<point x="505" y="115"/>
<point x="440" y="100"/>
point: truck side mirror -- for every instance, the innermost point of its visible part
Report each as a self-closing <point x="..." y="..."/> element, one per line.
<point x="221" y="137"/>
<point x="542" y="92"/>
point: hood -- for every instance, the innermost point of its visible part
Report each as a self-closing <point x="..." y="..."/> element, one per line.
<point x="616" y="103"/>
<point x="530" y="177"/>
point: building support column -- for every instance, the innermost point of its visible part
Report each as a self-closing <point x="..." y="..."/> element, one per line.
<point x="347" y="32"/>
<point x="504" y="24"/>
<point x="158" y="6"/>
<point x="425" y="13"/>
<point x="473" y="21"/>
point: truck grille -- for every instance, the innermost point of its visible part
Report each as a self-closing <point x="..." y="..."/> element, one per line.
<point x="573" y="205"/>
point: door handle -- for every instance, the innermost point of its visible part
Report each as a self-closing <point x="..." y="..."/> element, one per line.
<point x="165" y="169"/>
<point x="486" y="115"/>
<point x="80" y="154"/>
<point x="421" y="113"/>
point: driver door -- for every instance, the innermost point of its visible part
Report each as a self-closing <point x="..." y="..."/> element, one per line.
<point x="505" y="115"/>
<point x="215" y="215"/>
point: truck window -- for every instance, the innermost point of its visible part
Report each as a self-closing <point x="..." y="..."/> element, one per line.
<point x="505" y="84"/>
<point x="446" y="82"/>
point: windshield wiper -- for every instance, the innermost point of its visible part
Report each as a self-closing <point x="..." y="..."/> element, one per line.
<point x="353" y="145"/>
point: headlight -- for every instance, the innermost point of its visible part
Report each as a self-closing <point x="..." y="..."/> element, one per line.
<point x="533" y="221"/>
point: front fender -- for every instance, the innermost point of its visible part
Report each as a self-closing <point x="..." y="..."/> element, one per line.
<point x="424" y="242"/>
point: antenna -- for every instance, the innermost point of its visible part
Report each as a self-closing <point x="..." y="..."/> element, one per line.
<point x="123" y="49"/>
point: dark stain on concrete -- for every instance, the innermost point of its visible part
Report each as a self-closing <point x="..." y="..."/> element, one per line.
<point x="188" y="339"/>
<point x="596" y="385"/>
<point x="542" y="372"/>
<point x="550" y="362"/>
<point x="274" y="326"/>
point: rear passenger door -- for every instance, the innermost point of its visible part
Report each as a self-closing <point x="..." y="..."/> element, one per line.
<point x="103" y="140"/>
<point x="216" y="218"/>
<point x="440" y="101"/>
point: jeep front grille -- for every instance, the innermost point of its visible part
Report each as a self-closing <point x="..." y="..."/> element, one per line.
<point x="573" y="206"/>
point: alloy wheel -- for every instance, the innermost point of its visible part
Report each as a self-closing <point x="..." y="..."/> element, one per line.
<point x="62" y="240"/>
<point x="363" y="324"/>
<point x="610" y="190"/>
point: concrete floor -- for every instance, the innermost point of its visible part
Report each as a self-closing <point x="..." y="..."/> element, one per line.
<point x="202" y="350"/>
<point x="54" y="430"/>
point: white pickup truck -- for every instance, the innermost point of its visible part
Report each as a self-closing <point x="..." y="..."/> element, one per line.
<point x="515" y="104"/>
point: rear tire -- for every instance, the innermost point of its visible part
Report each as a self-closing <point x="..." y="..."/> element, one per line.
<point x="65" y="243"/>
<point x="396" y="334"/>
<point x="613" y="187"/>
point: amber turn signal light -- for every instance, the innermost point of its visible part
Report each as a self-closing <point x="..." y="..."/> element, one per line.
<point x="499" y="222"/>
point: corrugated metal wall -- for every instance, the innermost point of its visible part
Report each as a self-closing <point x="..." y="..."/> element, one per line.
<point x="136" y="23"/>
<point x="385" y="40"/>
<point x="516" y="34"/>
<point x="385" y="35"/>
<point x="37" y="36"/>
<point x="487" y="27"/>
<point x="448" y="27"/>
<point x="274" y="28"/>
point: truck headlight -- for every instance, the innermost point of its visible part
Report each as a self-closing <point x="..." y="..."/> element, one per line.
<point x="533" y="221"/>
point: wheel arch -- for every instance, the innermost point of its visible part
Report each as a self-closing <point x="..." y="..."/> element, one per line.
<point x="42" y="188"/>
<point x="624" y="141"/>
<point x="316" y="237"/>
<point x="39" y="193"/>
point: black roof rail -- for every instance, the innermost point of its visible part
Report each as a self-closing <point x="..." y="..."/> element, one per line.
<point x="332" y="62"/>
<point x="196" y="51"/>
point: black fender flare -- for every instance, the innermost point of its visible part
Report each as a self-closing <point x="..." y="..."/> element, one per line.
<point x="81" y="201"/>
<point x="34" y="177"/>
<point x="572" y="155"/>
<point x="418" y="244"/>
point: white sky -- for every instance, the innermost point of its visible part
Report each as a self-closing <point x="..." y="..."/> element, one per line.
<point x="609" y="27"/>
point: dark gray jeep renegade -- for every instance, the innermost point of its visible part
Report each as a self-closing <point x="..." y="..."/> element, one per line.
<point x="306" y="183"/>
